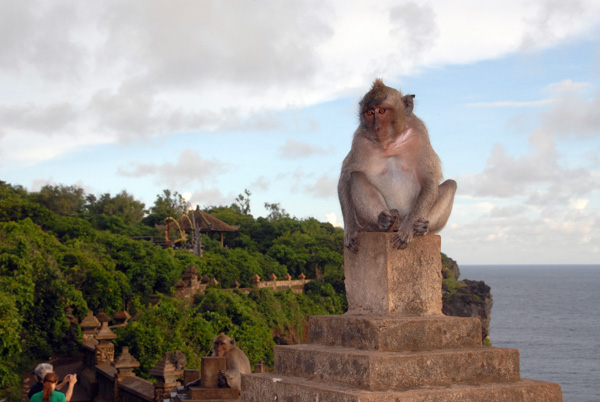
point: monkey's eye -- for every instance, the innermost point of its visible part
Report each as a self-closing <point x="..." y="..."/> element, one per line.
<point x="381" y="110"/>
<point x="370" y="112"/>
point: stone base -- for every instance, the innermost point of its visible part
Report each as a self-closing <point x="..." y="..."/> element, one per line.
<point x="399" y="334"/>
<point x="384" y="281"/>
<point x="381" y="371"/>
<point x="271" y="387"/>
<point x="394" y="345"/>
<point x="212" y="394"/>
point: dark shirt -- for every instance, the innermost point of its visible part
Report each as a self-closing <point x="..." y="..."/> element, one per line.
<point x="35" y="388"/>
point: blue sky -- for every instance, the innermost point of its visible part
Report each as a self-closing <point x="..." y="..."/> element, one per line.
<point x="211" y="98"/>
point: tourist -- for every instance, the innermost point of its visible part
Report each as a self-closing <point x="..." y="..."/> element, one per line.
<point x="49" y="393"/>
<point x="40" y="372"/>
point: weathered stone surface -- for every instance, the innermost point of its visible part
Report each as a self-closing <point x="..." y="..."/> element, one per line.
<point x="211" y="368"/>
<point x="207" y="394"/>
<point x="380" y="371"/>
<point x="395" y="333"/>
<point x="381" y="280"/>
<point x="272" y="387"/>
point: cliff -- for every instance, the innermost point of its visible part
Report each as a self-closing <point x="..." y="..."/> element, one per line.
<point x="465" y="298"/>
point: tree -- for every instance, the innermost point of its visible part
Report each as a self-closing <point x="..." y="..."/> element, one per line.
<point x="276" y="213"/>
<point x="122" y="204"/>
<point x="242" y="202"/>
<point x="166" y="204"/>
<point x="62" y="200"/>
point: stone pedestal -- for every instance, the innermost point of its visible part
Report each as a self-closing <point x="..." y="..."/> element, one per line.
<point x="394" y="345"/>
<point x="381" y="280"/>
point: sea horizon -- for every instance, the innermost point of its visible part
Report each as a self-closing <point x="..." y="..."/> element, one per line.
<point x="551" y="318"/>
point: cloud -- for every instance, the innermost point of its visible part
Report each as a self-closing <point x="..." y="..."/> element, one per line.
<point x="573" y="115"/>
<point x="293" y="149"/>
<point x="332" y="218"/>
<point x="190" y="167"/>
<point x="122" y="71"/>
<point x="209" y="197"/>
<point x="324" y="187"/>
<point x="540" y="176"/>
<point x="548" y="236"/>
<point x="552" y="19"/>
<point x="511" y="103"/>
<point x="414" y="21"/>
<point x="262" y="183"/>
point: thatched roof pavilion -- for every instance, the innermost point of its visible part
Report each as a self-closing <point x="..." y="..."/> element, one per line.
<point x="205" y="223"/>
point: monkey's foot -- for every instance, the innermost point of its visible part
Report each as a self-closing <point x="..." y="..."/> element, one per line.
<point x="352" y="243"/>
<point x="421" y="227"/>
<point x="401" y="242"/>
<point x="388" y="221"/>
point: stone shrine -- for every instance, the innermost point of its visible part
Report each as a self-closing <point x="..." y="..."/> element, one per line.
<point x="394" y="344"/>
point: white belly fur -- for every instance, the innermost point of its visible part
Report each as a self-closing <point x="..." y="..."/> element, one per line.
<point x="398" y="185"/>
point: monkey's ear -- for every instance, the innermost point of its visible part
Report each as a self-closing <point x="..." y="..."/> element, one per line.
<point x="408" y="103"/>
<point x="232" y="341"/>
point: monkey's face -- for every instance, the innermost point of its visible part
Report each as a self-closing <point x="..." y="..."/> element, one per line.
<point x="379" y="120"/>
<point x="220" y="347"/>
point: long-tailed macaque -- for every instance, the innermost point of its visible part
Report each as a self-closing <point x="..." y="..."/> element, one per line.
<point x="390" y="178"/>
<point x="237" y="362"/>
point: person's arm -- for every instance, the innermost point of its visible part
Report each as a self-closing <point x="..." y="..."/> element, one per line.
<point x="64" y="382"/>
<point x="72" y="381"/>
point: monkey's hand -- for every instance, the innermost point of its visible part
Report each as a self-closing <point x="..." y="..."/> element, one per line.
<point x="351" y="241"/>
<point x="388" y="221"/>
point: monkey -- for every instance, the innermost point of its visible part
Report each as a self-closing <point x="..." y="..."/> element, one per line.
<point x="178" y="359"/>
<point x="237" y="363"/>
<point x="389" y="180"/>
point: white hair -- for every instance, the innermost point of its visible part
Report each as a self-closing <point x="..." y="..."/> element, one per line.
<point x="42" y="369"/>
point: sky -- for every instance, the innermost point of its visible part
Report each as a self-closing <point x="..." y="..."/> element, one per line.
<point x="210" y="98"/>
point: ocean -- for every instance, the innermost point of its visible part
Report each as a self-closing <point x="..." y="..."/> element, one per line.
<point x="552" y="315"/>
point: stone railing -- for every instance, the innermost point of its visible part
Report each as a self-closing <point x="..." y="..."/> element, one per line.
<point x="191" y="284"/>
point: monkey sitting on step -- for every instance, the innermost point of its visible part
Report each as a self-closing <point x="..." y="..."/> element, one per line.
<point x="390" y="178"/>
<point x="237" y="362"/>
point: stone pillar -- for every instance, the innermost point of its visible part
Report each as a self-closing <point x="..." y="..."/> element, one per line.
<point x="105" y="351"/>
<point x="89" y="327"/>
<point x="166" y="375"/>
<point x="125" y="364"/>
<point x="211" y="366"/>
<point x="384" y="281"/>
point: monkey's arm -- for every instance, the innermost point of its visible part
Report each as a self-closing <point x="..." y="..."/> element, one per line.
<point x="350" y="227"/>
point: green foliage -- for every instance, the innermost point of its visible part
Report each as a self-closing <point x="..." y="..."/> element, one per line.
<point x="10" y="334"/>
<point x="62" y="200"/>
<point x="166" y="204"/>
<point x="62" y="253"/>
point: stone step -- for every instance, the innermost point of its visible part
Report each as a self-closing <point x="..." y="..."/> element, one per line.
<point x="272" y="387"/>
<point x="379" y="371"/>
<point x="395" y="333"/>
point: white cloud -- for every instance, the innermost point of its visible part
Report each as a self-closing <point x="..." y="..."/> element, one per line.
<point x="324" y="187"/>
<point x="293" y="149"/>
<point x="190" y="167"/>
<point x="511" y="103"/>
<point x="210" y="197"/>
<point x="117" y="71"/>
<point x="573" y="114"/>
<point x="332" y="218"/>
